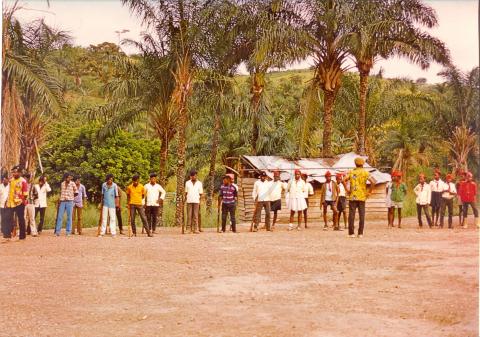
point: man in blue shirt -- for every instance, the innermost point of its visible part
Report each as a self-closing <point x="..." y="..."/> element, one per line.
<point x="228" y="199"/>
<point x="109" y="203"/>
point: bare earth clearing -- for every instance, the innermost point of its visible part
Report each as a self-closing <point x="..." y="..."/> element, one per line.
<point x="393" y="282"/>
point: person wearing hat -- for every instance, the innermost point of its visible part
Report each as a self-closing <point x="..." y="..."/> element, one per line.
<point x="341" y="201"/>
<point x="468" y="194"/>
<point x="154" y="197"/>
<point x="358" y="194"/>
<point x="227" y="200"/>
<point x="397" y="196"/>
<point x="261" y="196"/>
<point x="68" y="191"/>
<point x="296" y="199"/>
<point x="15" y="205"/>
<point x="329" y="197"/>
<point x="436" y="186"/>
<point x="278" y="187"/>
<point x="449" y="192"/>
<point x="308" y="192"/>
<point x="424" y="194"/>
<point x="193" y="193"/>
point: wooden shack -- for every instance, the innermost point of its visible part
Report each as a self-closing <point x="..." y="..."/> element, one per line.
<point x="251" y="166"/>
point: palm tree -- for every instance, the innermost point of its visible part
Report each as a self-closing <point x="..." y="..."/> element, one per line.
<point x="178" y="25"/>
<point x="388" y="28"/>
<point x="31" y="94"/>
<point x="328" y="24"/>
<point x="272" y="38"/>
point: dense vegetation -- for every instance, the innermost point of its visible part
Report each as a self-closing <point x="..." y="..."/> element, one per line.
<point x="180" y="104"/>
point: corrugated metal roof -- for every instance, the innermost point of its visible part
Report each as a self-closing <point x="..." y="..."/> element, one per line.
<point x="314" y="167"/>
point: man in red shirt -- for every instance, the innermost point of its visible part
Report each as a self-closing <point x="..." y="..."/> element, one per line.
<point x="468" y="196"/>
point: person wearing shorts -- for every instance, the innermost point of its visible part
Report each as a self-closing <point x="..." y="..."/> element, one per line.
<point x="328" y="198"/>
<point x="397" y="196"/>
<point x="341" y="201"/>
<point x="276" y="196"/>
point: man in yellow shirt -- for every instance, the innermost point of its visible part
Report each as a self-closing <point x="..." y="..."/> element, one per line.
<point x="135" y="195"/>
<point x="15" y="205"/>
<point x="357" y="191"/>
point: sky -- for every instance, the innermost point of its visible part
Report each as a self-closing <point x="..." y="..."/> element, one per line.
<point x="93" y="22"/>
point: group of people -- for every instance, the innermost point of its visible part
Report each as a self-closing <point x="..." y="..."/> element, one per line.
<point x="439" y="195"/>
<point x="22" y="201"/>
<point x="267" y="195"/>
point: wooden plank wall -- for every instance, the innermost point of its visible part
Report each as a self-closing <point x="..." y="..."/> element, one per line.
<point x="375" y="207"/>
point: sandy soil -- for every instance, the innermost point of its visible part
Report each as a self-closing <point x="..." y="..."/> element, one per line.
<point x="392" y="282"/>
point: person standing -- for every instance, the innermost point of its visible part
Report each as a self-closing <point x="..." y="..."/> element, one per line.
<point x="232" y="177"/>
<point x="358" y="194"/>
<point x="30" y="224"/>
<point x="3" y="199"/>
<point x="68" y="191"/>
<point x="135" y="195"/>
<point x="308" y="192"/>
<point x="193" y="193"/>
<point x="42" y="189"/>
<point x="296" y="200"/>
<point x="78" y="203"/>
<point x="462" y="179"/>
<point x="436" y="186"/>
<point x="261" y="197"/>
<point x="329" y="197"/>
<point x="15" y="205"/>
<point x="449" y="193"/>
<point x="424" y="194"/>
<point x="388" y="200"/>
<point x="227" y="200"/>
<point x="468" y="194"/>
<point x="154" y="197"/>
<point x="341" y="201"/>
<point x="109" y="203"/>
<point x="399" y="192"/>
<point x="276" y="196"/>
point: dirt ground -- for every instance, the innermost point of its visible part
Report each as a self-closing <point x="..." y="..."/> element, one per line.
<point x="393" y="282"/>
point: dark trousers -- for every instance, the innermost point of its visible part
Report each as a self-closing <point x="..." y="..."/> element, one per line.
<point x="118" y="213"/>
<point x="353" y="205"/>
<point x="474" y="209"/>
<point x="3" y="219"/>
<point x="228" y="209"/>
<point x="7" y="226"/>
<point x="447" y="204"/>
<point x="41" y="211"/>
<point x="258" y="213"/>
<point x="138" y="209"/>
<point x="427" y="215"/>
<point x="152" y="214"/>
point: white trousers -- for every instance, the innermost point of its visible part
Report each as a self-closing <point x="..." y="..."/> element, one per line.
<point x="109" y="213"/>
<point x="30" y="218"/>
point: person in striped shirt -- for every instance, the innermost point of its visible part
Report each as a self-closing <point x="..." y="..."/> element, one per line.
<point x="227" y="199"/>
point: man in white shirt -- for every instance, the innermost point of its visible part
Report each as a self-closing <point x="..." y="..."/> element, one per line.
<point x="193" y="193"/>
<point x="276" y="196"/>
<point x="42" y="189"/>
<point x="341" y="201"/>
<point x="261" y="196"/>
<point x="154" y="196"/>
<point x="436" y="186"/>
<point x="424" y="194"/>
<point x="306" y="194"/>
<point x="296" y="199"/>
<point x="449" y="192"/>
<point x="4" y="190"/>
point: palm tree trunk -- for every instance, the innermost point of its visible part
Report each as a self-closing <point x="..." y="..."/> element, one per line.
<point x="182" y="125"/>
<point x="255" y="133"/>
<point x="162" y="177"/>
<point x="362" y="113"/>
<point x="213" y="159"/>
<point x="329" y="100"/>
